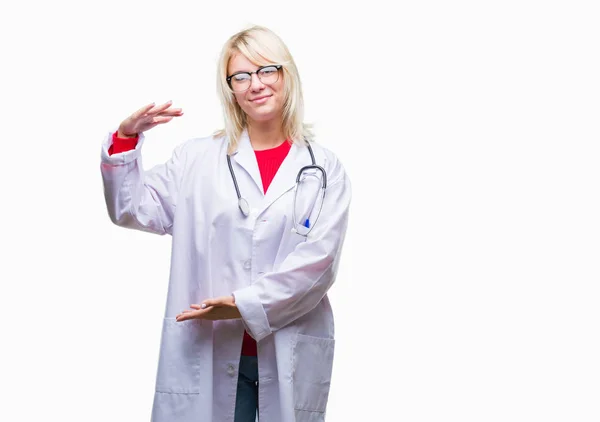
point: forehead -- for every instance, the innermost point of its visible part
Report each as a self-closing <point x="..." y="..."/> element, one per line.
<point x="240" y="63"/>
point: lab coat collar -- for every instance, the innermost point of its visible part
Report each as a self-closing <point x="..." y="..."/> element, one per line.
<point x="245" y="157"/>
<point x="285" y="178"/>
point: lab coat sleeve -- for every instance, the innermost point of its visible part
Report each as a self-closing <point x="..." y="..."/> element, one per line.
<point x="280" y="297"/>
<point x="138" y="199"/>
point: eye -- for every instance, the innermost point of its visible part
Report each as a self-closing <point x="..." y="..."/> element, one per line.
<point x="268" y="70"/>
<point x="240" y="77"/>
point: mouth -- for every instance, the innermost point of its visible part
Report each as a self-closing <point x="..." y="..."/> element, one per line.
<point x="260" y="100"/>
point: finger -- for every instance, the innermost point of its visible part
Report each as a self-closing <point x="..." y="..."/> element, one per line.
<point x="161" y="119"/>
<point x="160" y="108"/>
<point x="171" y="112"/>
<point x="211" y="302"/>
<point x="142" y="111"/>
<point x="186" y="316"/>
<point x="199" y="307"/>
<point x="206" y="313"/>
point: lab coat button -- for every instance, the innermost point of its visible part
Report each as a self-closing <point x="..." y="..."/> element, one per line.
<point x="247" y="265"/>
<point x="230" y="370"/>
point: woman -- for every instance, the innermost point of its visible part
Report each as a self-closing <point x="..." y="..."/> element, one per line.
<point x="258" y="214"/>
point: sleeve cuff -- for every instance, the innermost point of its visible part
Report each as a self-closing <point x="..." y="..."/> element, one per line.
<point x="120" y="158"/>
<point x="253" y="314"/>
<point x="122" y="144"/>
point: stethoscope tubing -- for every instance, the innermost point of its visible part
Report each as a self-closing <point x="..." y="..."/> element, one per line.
<point x="243" y="203"/>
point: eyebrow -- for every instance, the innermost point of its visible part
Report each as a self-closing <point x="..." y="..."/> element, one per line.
<point x="241" y="71"/>
<point x="248" y="71"/>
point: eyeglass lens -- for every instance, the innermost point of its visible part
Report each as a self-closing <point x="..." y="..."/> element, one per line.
<point x="242" y="81"/>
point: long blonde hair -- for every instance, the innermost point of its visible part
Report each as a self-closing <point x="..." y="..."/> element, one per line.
<point x="262" y="47"/>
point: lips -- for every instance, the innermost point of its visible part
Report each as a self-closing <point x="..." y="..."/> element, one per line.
<point x="260" y="98"/>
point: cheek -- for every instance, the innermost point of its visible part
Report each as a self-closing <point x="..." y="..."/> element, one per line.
<point x="280" y="85"/>
<point x="280" y="92"/>
<point x="242" y="103"/>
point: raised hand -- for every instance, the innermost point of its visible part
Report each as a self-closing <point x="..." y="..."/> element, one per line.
<point x="146" y="118"/>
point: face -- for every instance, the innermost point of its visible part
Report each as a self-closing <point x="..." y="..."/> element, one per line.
<point x="261" y="101"/>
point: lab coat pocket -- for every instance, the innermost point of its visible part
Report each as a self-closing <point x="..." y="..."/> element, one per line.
<point x="290" y="238"/>
<point x="312" y="367"/>
<point x="179" y="359"/>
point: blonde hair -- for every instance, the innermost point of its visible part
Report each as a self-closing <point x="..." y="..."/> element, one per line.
<point x="262" y="47"/>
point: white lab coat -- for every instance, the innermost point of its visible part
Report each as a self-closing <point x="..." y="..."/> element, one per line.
<point x="279" y="278"/>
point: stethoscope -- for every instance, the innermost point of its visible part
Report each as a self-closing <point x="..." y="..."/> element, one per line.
<point x="305" y="225"/>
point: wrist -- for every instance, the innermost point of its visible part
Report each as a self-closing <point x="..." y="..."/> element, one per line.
<point x="123" y="135"/>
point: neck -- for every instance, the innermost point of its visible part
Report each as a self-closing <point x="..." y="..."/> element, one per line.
<point x="265" y="135"/>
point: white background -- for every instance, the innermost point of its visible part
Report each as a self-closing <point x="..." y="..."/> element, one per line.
<point x="469" y="286"/>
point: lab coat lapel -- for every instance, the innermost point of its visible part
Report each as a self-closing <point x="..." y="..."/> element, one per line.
<point x="285" y="178"/>
<point x="246" y="158"/>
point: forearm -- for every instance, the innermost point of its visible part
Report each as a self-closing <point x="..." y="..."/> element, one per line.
<point x="280" y="297"/>
<point x="134" y="198"/>
<point x="268" y="306"/>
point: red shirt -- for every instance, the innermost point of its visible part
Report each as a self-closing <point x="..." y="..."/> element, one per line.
<point x="269" y="161"/>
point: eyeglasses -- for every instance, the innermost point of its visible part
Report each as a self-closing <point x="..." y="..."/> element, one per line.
<point x="241" y="81"/>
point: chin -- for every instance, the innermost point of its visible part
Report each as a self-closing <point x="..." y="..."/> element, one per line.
<point x="263" y="112"/>
<point x="263" y="117"/>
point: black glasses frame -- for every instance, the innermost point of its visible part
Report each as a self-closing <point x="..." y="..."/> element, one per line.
<point x="277" y="66"/>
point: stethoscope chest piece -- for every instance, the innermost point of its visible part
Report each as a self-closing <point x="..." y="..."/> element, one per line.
<point x="244" y="207"/>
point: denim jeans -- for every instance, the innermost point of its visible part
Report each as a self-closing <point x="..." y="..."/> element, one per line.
<point x="246" y="402"/>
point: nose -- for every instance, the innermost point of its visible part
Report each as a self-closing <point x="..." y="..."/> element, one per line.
<point x="255" y="83"/>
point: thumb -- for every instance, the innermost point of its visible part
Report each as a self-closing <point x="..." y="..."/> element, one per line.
<point x="217" y="301"/>
<point x="209" y="302"/>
